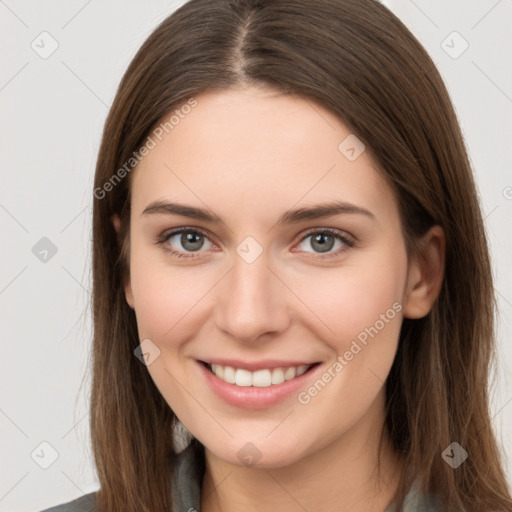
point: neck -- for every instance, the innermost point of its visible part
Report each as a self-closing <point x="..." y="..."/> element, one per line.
<point x="342" y="476"/>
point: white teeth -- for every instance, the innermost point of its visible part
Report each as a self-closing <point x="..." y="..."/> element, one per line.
<point x="302" y="369"/>
<point x="290" y="373"/>
<point x="277" y="376"/>
<point x="259" y="378"/>
<point x="218" y="370"/>
<point x="262" y="378"/>
<point x="243" y="377"/>
<point x="229" y="373"/>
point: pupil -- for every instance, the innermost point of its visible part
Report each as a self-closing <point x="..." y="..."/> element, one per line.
<point x="323" y="246"/>
<point x="194" y="239"/>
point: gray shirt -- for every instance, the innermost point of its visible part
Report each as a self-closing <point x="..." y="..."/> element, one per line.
<point x="186" y="488"/>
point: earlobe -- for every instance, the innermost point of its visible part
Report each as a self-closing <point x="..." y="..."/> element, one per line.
<point x="127" y="282"/>
<point x="116" y="221"/>
<point x="426" y="275"/>
<point x="128" y="292"/>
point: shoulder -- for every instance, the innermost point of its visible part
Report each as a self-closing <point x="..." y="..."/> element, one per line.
<point x="86" y="503"/>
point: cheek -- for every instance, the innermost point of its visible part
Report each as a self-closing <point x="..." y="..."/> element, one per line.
<point x="352" y="298"/>
<point x="168" y="299"/>
<point x="363" y="308"/>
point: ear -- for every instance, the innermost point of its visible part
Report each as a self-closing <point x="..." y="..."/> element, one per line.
<point x="127" y="282"/>
<point x="426" y="273"/>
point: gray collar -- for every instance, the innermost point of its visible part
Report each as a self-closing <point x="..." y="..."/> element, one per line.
<point x="188" y="477"/>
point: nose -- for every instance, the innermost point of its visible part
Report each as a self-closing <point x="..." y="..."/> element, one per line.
<point x="252" y="301"/>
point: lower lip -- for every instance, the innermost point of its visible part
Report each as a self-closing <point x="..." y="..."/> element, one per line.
<point x="251" y="397"/>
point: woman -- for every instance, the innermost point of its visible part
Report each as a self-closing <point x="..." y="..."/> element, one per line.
<point x="289" y="261"/>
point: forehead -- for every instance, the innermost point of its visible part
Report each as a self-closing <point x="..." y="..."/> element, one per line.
<point x="243" y="148"/>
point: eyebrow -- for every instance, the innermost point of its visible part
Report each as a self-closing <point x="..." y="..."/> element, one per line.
<point x="313" y="212"/>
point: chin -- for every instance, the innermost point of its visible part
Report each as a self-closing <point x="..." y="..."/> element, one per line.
<point x="258" y="453"/>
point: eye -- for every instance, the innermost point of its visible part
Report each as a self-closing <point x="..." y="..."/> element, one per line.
<point x="322" y="241"/>
<point x="184" y="242"/>
<point x="190" y="240"/>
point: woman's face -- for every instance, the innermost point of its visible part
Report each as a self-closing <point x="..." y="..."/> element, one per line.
<point x="269" y="287"/>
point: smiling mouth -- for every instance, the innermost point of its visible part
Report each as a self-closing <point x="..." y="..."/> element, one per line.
<point x="260" y="378"/>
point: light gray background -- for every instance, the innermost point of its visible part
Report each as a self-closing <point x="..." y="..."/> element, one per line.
<point x="52" y="113"/>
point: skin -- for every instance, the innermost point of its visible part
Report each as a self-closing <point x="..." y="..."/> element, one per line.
<point x="248" y="155"/>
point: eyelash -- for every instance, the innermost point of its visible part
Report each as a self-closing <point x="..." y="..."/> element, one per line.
<point x="347" y="240"/>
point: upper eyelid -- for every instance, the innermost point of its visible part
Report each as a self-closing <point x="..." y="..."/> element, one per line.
<point x="176" y="231"/>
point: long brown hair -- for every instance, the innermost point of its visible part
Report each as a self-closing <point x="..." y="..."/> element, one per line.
<point x="358" y="60"/>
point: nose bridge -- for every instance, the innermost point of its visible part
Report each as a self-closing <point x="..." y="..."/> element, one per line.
<point x="252" y="302"/>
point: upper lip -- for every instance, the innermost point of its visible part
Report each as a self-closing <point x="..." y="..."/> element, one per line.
<point x="257" y="365"/>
